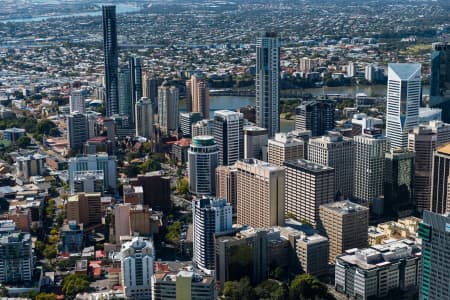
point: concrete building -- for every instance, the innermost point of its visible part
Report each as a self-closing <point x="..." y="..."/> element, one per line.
<point x="203" y="127"/>
<point x="136" y="260"/>
<point x="440" y="79"/>
<point x="378" y="270"/>
<point x="168" y="110"/>
<point x="126" y="104"/>
<point x="72" y="237"/>
<point x="404" y="228"/>
<point x="16" y="257"/>
<point x="283" y="147"/>
<point x="135" y="67"/>
<point x="111" y="59"/>
<point x="255" y="142"/>
<point x="226" y="184"/>
<point x="229" y="136"/>
<point x="144" y="118"/>
<point x="182" y="282"/>
<point x="88" y="182"/>
<point x="435" y="234"/>
<point x="156" y="189"/>
<point x="337" y="152"/>
<point x="180" y="150"/>
<point x="267" y="82"/>
<point x="187" y="119"/>
<point x="308" y="185"/>
<point x="13" y="134"/>
<point x="368" y="175"/>
<point x="85" y="208"/>
<point x="76" y="102"/>
<point x="209" y="217"/>
<point x="199" y="94"/>
<point x="345" y="224"/>
<point x="100" y="161"/>
<point x="133" y="194"/>
<point x="403" y="101"/>
<point x="31" y="165"/>
<point x="440" y="198"/>
<point x="317" y="116"/>
<point x="77" y="130"/>
<point x="203" y="157"/>
<point x="260" y="193"/>
<point x="361" y="122"/>
<point x="399" y="182"/>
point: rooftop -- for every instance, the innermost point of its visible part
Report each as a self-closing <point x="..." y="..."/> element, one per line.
<point x="306" y="165"/>
<point x="345" y="207"/>
<point x="445" y="149"/>
<point x="405" y="71"/>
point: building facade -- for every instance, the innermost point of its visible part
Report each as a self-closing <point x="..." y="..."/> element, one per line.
<point x="16" y="257"/>
<point x="440" y="198"/>
<point x="229" y="136"/>
<point x="144" y="118"/>
<point x="198" y="96"/>
<point x="77" y="130"/>
<point x="76" y="101"/>
<point x="168" y="110"/>
<point x="226" y="184"/>
<point x="203" y="156"/>
<point x="440" y="79"/>
<point x="283" y="147"/>
<point x="317" y="116"/>
<point x="255" y="142"/>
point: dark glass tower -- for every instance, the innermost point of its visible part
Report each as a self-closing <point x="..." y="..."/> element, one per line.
<point x="440" y="79"/>
<point x="111" y="59"/>
<point x="135" y="67"/>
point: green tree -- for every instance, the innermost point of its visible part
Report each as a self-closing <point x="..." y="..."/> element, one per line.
<point x="239" y="290"/>
<point x="306" y="286"/>
<point x="182" y="186"/>
<point x="74" y="284"/>
<point x="23" y="142"/>
<point x="277" y="273"/>
<point x="50" y="251"/>
<point x="268" y="289"/>
<point x="46" y="296"/>
<point x="44" y="126"/>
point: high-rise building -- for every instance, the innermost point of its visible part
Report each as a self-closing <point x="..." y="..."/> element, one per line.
<point x="368" y="174"/>
<point x="16" y="257"/>
<point x="135" y="67"/>
<point x="260" y="193"/>
<point x="283" y="147"/>
<point x="267" y="82"/>
<point x="96" y="162"/>
<point x="168" y="111"/>
<point x="76" y="101"/>
<point x="187" y="119"/>
<point x="209" y="217"/>
<point x="124" y="92"/>
<point x="440" y="79"/>
<point x="375" y="272"/>
<point x="399" y="182"/>
<point x="403" y="101"/>
<point x="156" y="187"/>
<point x="85" y="208"/>
<point x="199" y="94"/>
<point x="226" y="184"/>
<point x="88" y="182"/>
<point x="337" y="152"/>
<point x="229" y="136"/>
<point x="203" y="127"/>
<point x="346" y="225"/>
<point x="30" y="165"/>
<point x="150" y="87"/>
<point x="144" y="118"/>
<point x="435" y="234"/>
<point x="77" y="130"/>
<point x="136" y="260"/>
<point x="317" y="116"/>
<point x="440" y="198"/>
<point x="255" y="142"/>
<point x="111" y="54"/>
<point x="423" y="141"/>
<point x="203" y="158"/>
<point x="308" y="185"/>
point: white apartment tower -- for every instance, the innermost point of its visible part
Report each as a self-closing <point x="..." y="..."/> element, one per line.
<point x="337" y="152"/>
<point x="209" y="217"/>
<point x="368" y="174"/>
<point x="76" y="101"/>
<point x="229" y="136"/>
<point x="403" y="102"/>
<point x="267" y="82"/>
<point x="168" y="101"/>
<point x="202" y="163"/>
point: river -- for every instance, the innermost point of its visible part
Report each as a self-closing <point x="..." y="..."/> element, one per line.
<point x="120" y="8"/>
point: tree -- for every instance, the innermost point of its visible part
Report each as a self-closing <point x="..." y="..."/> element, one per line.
<point x="44" y="126"/>
<point x="306" y="286"/>
<point x="23" y="142"/>
<point x="239" y="290"/>
<point x="46" y="296"/>
<point x="182" y="186"/>
<point x="74" y="284"/>
<point x="277" y="273"/>
<point x="50" y="251"/>
<point x="270" y="289"/>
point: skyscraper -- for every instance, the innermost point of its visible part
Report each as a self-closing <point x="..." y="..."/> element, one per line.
<point x="337" y="152"/>
<point x="168" y="109"/>
<point x="198" y="94"/>
<point x="260" y="193"/>
<point x="76" y="101"/>
<point x="403" y="101"/>
<point x="134" y="64"/>
<point x="255" y="142"/>
<point x="229" y="136"/>
<point x="144" y="118"/>
<point x="77" y="130"/>
<point x="124" y="92"/>
<point x="284" y="146"/>
<point x="308" y="185"/>
<point x="440" y="79"/>
<point x="187" y="119"/>
<point x="202" y="162"/>
<point x="440" y="200"/>
<point x="368" y="174"/>
<point x="226" y="184"/>
<point x="317" y="116"/>
<point x="267" y="82"/>
<point x="209" y="216"/>
<point x="111" y="53"/>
